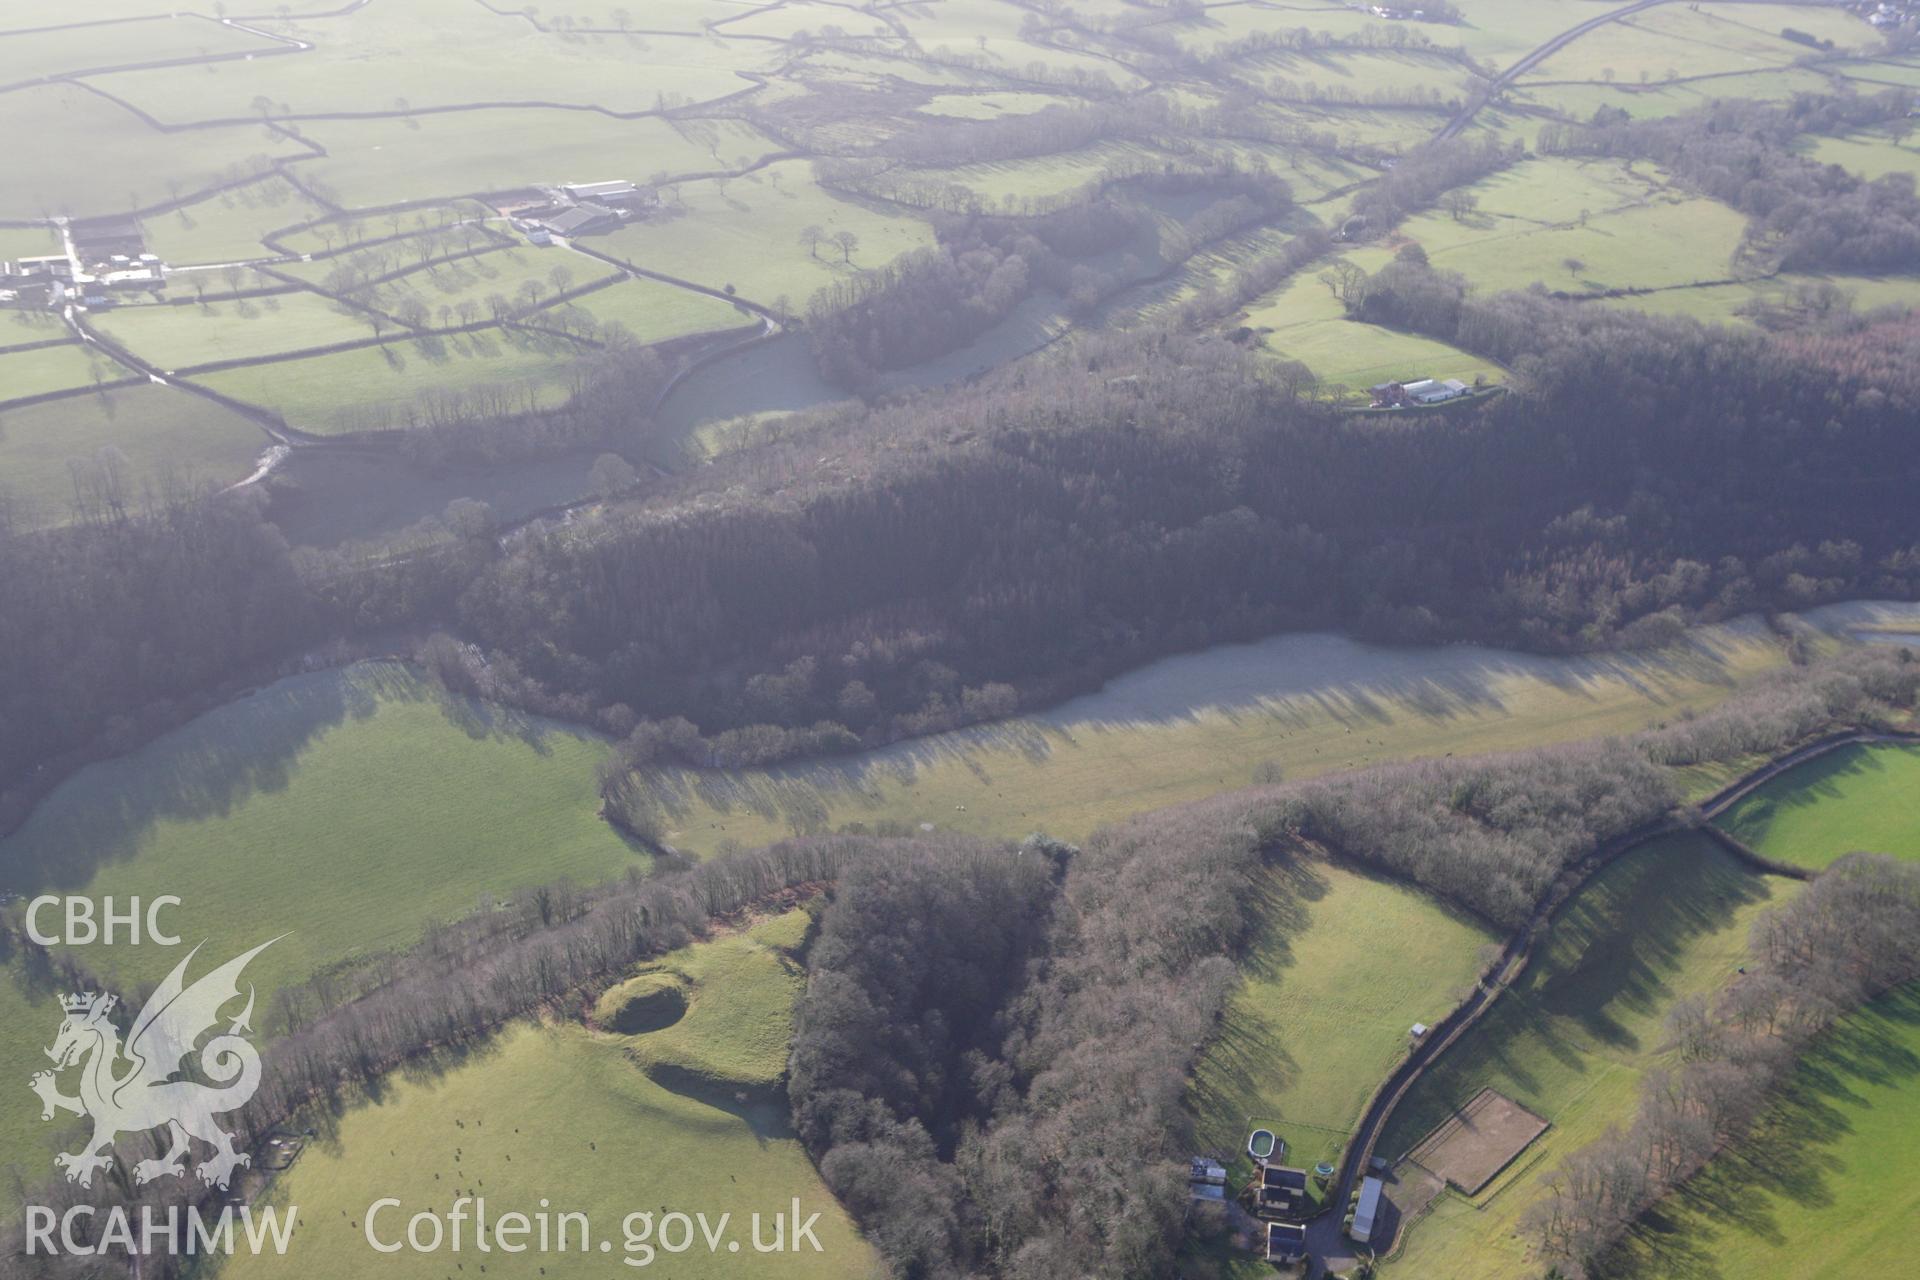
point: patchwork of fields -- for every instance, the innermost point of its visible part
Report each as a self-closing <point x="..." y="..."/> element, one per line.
<point x="289" y="138"/>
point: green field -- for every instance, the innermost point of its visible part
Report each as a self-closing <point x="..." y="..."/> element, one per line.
<point x="1342" y="965"/>
<point x="1871" y="155"/>
<point x="61" y="368"/>
<point x="1578" y="101"/>
<point x="28" y="242"/>
<point x="128" y="164"/>
<point x="740" y="990"/>
<point x="36" y="55"/>
<point x="1582" y="228"/>
<point x="1304" y="321"/>
<point x="181" y="335"/>
<point x="398" y="57"/>
<point x="1193" y="726"/>
<point x="560" y="1112"/>
<point x="150" y="431"/>
<point x="33" y="1015"/>
<point x="1572" y="1038"/>
<point x="1824" y="1187"/>
<point x="346" y="809"/>
<point x="471" y="278"/>
<point x="371" y="162"/>
<point x="1743" y="302"/>
<point x="1859" y="798"/>
<point x="227" y="227"/>
<point x="654" y="312"/>
<point x="746" y="232"/>
<point x="376" y="388"/>
<point x="1688" y="40"/>
<point x="986" y="106"/>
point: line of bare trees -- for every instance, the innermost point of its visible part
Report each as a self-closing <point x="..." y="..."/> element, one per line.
<point x="1853" y="935"/>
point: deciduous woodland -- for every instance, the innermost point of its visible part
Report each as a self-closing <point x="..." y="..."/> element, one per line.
<point x="879" y="572"/>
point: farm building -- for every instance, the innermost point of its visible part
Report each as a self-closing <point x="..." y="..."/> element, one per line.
<point x="1367" y="1211"/>
<point x="1433" y="391"/>
<point x="56" y="265"/>
<point x="580" y="220"/>
<point x="620" y="192"/>
<point x="1286" y="1242"/>
<point x="1395" y="395"/>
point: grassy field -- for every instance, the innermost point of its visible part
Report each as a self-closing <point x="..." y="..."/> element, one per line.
<point x="1497" y="31"/>
<point x="28" y="242"/>
<point x="746" y="232"/>
<point x="375" y="161"/>
<point x="1871" y="155"/>
<point x="35" y="55"/>
<point x="1684" y="40"/>
<point x="151" y="431"/>
<point x="548" y="1113"/>
<point x="1574" y="1036"/>
<point x="128" y="163"/>
<point x="227" y="227"/>
<point x="654" y="312"/>
<point x="178" y="336"/>
<point x="505" y="273"/>
<point x="1739" y="303"/>
<point x="987" y="106"/>
<point x="397" y="58"/>
<point x="1824" y="1187"/>
<point x="1856" y="798"/>
<point x="346" y="808"/>
<point x="1306" y="322"/>
<point x="1582" y="228"/>
<point x="1882" y="72"/>
<point x="579" y="1117"/>
<point x="1354" y="73"/>
<point x="1343" y="964"/>
<point x="27" y="1142"/>
<point x="1579" y="101"/>
<point x="373" y="387"/>
<point x="1196" y="725"/>
<point x="61" y="368"/>
<point x="740" y="990"/>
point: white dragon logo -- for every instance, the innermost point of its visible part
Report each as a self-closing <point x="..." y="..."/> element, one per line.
<point x="146" y="1096"/>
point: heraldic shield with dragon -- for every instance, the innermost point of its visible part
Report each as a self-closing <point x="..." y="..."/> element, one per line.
<point x="141" y="1085"/>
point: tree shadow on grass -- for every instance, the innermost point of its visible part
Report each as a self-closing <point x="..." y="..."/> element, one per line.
<point x="1250" y="1056"/>
<point x="1613" y="953"/>
<point x="214" y="764"/>
<point x="1788" y="1167"/>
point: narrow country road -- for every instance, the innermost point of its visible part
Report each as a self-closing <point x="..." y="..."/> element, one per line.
<point x="1505" y="79"/>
